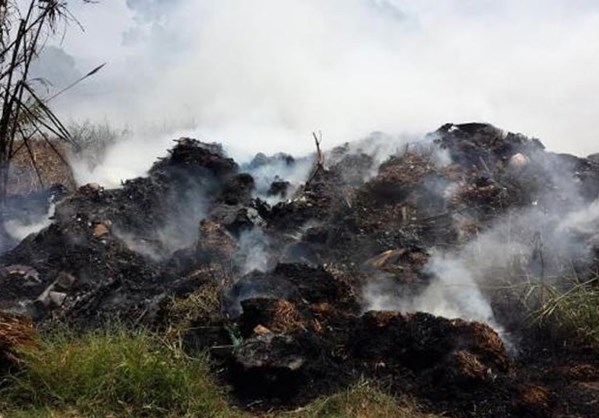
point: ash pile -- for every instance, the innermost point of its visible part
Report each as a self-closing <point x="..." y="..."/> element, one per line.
<point x="298" y="289"/>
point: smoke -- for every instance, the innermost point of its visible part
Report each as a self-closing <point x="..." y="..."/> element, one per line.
<point x="186" y="204"/>
<point x="531" y="244"/>
<point x="130" y="156"/>
<point x="544" y="242"/>
<point x="454" y="294"/>
<point x="55" y="67"/>
<point x="526" y="247"/>
<point x="581" y="221"/>
<point x="262" y="75"/>
<point x="279" y="167"/>
<point x="254" y="252"/>
<point x="19" y="230"/>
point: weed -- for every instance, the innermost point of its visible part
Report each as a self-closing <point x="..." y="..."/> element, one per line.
<point x="363" y="400"/>
<point x="120" y="374"/>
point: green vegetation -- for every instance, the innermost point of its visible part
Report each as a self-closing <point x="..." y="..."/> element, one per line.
<point x="116" y="374"/>
<point x="202" y="306"/>
<point x="361" y="401"/>
<point x="124" y="374"/>
<point x="564" y="307"/>
<point x="572" y="312"/>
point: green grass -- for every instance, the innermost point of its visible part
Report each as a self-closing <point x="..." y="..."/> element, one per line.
<point x="566" y="307"/>
<point x="123" y="374"/>
<point x="573" y="311"/>
<point x="202" y="306"/>
<point x="115" y="374"/>
<point x="363" y="400"/>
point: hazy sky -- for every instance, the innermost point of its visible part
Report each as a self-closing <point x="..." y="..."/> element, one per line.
<point x="263" y="74"/>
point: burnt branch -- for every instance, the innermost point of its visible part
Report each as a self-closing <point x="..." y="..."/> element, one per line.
<point x="319" y="157"/>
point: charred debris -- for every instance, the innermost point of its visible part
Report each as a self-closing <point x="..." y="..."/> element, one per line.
<point x="275" y="291"/>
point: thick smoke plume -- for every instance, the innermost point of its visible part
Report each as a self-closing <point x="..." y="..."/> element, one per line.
<point x="262" y="75"/>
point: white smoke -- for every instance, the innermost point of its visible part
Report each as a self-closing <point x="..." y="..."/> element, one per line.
<point x="295" y="172"/>
<point x="454" y="294"/>
<point x="19" y="230"/>
<point x="581" y="221"/>
<point x="543" y="242"/>
<point x="129" y="157"/>
<point x="463" y="280"/>
<point x="253" y="253"/>
<point x="262" y="75"/>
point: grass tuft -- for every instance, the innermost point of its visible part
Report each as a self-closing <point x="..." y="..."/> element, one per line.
<point x="118" y="374"/>
<point x="572" y="312"/>
<point x="202" y="306"/>
<point x="362" y="400"/>
<point x="565" y="307"/>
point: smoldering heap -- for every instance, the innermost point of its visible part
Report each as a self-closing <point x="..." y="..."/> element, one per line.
<point x="283" y="294"/>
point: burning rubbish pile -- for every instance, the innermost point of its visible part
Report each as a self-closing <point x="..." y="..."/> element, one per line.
<point x="380" y="266"/>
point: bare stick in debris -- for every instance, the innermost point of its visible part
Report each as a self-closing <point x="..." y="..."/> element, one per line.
<point x="320" y="160"/>
<point x="319" y="157"/>
<point x="485" y="166"/>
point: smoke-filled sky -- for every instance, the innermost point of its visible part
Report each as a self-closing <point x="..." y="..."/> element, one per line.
<point x="263" y="74"/>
